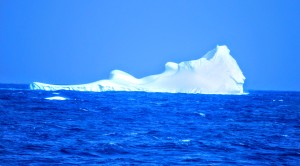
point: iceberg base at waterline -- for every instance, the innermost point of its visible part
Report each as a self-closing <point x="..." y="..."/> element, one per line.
<point x="216" y="72"/>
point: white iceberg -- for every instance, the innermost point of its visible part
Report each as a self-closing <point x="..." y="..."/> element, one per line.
<point x="56" y="98"/>
<point x="216" y="72"/>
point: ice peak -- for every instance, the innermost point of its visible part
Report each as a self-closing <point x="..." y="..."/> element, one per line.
<point x="217" y="52"/>
<point x="222" y="47"/>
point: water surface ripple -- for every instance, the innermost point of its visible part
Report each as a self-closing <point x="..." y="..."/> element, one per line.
<point x="123" y="128"/>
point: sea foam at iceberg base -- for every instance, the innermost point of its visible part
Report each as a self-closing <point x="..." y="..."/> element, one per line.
<point x="216" y="72"/>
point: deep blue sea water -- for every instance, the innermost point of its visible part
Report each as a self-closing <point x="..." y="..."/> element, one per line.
<point x="136" y="128"/>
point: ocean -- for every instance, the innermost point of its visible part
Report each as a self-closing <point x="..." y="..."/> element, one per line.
<point x="138" y="128"/>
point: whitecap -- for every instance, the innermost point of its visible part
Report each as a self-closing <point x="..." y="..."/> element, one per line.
<point x="56" y="98"/>
<point x="83" y="109"/>
<point x="110" y="134"/>
<point x="185" y="140"/>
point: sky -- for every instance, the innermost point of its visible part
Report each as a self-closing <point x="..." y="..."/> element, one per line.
<point x="73" y="42"/>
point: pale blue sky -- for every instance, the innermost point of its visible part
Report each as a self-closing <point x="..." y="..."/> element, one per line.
<point x="70" y="42"/>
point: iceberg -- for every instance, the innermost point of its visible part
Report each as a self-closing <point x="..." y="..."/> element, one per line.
<point x="217" y="72"/>
<point x="56" y="98"/>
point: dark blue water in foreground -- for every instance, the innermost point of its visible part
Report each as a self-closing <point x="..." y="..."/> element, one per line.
<point x="124" y="128"/>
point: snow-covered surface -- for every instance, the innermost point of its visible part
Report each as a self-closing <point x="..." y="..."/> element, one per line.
<point x="216" y="72"/>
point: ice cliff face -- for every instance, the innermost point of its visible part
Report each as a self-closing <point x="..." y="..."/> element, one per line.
<point x="215" y="73"/>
